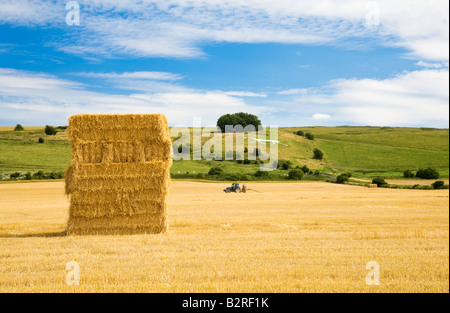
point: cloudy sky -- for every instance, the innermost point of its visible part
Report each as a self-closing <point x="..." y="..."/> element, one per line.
<point x="291" y="62"/>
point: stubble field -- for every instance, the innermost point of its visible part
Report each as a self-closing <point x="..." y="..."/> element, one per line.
<point x="279" y="237"/>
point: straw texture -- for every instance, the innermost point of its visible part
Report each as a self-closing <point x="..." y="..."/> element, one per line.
<point x="119" y="177"/>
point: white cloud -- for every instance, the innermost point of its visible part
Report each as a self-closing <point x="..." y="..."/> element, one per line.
<point x="300" y="91"/>
<point x="319" y="116"/>
<point x="36" y="98"/>
<point x="145" y="75"/>
<point x="177" y="28"/>
<point x="245" y="94"/>
<point x="418" y="98"/>
<point x="432" y="64"/>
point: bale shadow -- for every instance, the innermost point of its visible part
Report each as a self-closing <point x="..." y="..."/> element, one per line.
<point x="38" y="235"/>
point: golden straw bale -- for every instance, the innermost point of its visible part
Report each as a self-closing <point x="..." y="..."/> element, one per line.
<point x="119" y="177"/>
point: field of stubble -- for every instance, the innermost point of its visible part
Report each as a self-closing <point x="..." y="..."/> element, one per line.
<point x="305" y="237"/>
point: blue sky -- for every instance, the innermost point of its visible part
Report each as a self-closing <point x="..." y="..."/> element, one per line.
<point x="290" y="62"/>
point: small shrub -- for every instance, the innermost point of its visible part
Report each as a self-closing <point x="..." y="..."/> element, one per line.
<point x="41" y="140"/>
<point x="309" y="136"/>
<point x="201" y="176"/>
<point x="439" y="184"/>
<point x="408" y="174"/>
<point x="247" y="161"/>
<point x="296" y="174"/>
<point x="342" y="179"/>
<point x="428" y="173"/>
<point x="50" y="130"/>
<point x="379" y="181"/>
<point x="18" y="128"/>
<point x="284" y="165"/>
<point x="318" y="154"/>
<point x="261" y="174"/>
<point x="305" y="169"/>
<point x="300" y="133"/>
<point x="215" y="171"/>
<point x="239" y="161"/>
<point x="55" y="175"/>
<point x="28" y="176"/>
<point x="233" y="177"/>
<point x="14" y="175"/>
<point x="39" y="175"/>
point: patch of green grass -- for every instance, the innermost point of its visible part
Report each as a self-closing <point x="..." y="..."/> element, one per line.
<point x="365" y="151"/>
<point x="372" y="150"/>
<point x="21" y="152"/>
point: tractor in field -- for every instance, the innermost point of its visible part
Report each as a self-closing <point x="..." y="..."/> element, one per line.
<point x="235" y="188"/>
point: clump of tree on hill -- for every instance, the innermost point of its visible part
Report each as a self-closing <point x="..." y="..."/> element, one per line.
<point x="439" y="184"/>
<point x="303" y="134"/>
<point x="343" y="178"/>
<point x="284" y="165"/>
<point x="380" y="182"/>
<point x="296" y="174"/>
<point x="50" y="130"/>
<point x="318" y="154"/>
<point x="18" y="128"/>
<point x="409" y="174"/>
<point x="240" y="118"/>
<point x="428" y="173"/>
<point x="309" y="136"/>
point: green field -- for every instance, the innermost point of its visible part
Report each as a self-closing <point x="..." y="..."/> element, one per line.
<point x="366" y="151"/>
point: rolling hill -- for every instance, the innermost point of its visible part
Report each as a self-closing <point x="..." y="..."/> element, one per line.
<point x="366" y="151"/>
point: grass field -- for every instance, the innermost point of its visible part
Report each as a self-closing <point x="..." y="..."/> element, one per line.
<point x="366" y="151"/>
<point x="319" y="238"/>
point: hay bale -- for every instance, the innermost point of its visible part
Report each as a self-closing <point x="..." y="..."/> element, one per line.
<point x="373" y="186"/>
<point x="119" y="177"/>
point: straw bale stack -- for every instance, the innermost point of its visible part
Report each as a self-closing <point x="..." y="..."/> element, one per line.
<point x="119" y="177"/>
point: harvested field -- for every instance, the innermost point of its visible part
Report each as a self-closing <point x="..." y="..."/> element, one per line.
<point x="415" y="181"/>
<point x="318" y="239"/>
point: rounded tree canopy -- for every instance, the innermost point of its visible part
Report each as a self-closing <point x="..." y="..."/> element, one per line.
<point x="241" y="118"/>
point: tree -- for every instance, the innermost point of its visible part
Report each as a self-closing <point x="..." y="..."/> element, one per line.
<point x="14" y="175"/>
<point x="380" y="182"/>
<point x="284" y="165"/>
<point x="39" y="175"/>
<point x="296" y="174"/>
<point x="215" y="171"/>
<point x="28" y="176"/>
<point x="300" y="133"/>
<point x="18" y="128"/>
<point x="439" y="184"/>
<point x="342" y="179"/>
<point x="262" y="174"/>
<point x="318" y="154"/>
<point x="408" y="174"/>
<point x="309" y="136"/>
<point x="428" y="173"/>
<point x="50" y="130"/>
<point x="305" y="169"/>
<point x="241" y="118"/>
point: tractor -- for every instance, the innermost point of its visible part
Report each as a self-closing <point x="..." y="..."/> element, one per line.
<point x="235" y="188"/>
